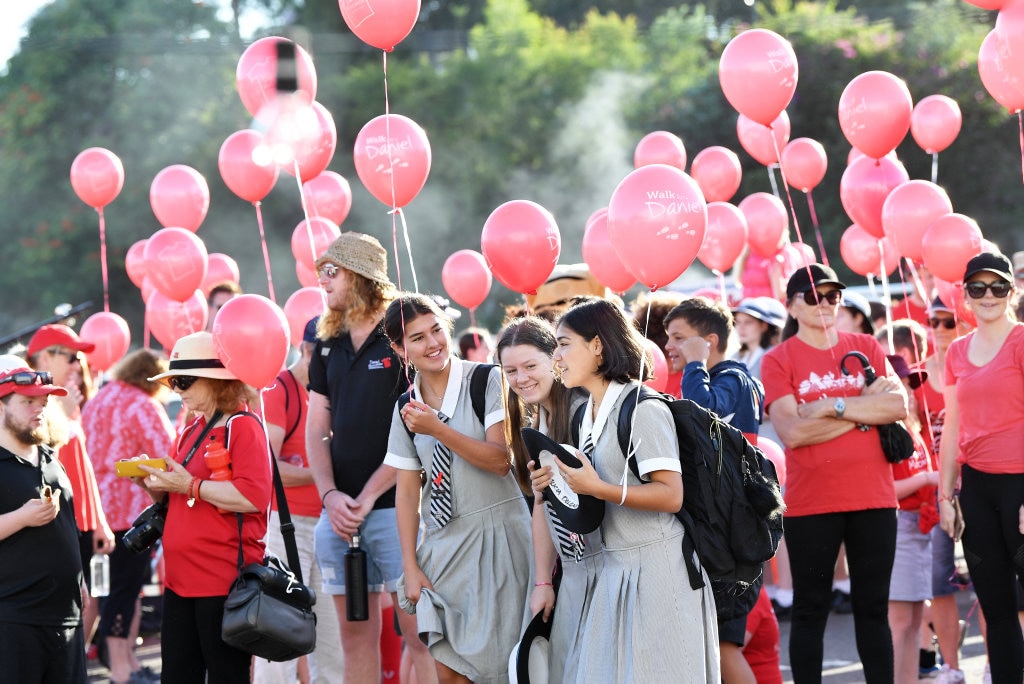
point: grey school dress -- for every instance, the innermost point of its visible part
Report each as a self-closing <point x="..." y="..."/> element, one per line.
<point x="645" y="623"/>
<point x="480" y="564"/>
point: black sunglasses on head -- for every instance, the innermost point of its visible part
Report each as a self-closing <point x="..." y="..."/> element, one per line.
<point x="813" y="297"/>
<point x="180" y="383"/>
<point x="976" y="289"/>
<point x="30" y="378"/>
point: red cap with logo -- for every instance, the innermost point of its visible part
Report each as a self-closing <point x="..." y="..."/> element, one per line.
<point x="58" y="336"/>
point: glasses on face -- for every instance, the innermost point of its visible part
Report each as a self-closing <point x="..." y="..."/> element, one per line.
<point x="976" y="289"/>
<point x="29" y="378"/>
<point x="180" y="383"/>
<point x="329" y="271"/>
<point x="71" y="356"/>
<point x="833" y="297"/>
<point x="947" y="323"/>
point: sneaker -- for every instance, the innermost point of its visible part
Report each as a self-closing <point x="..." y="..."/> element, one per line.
<point x="928" y="672"/>
<point x="145" y="675"/>
<point x="949" y="676"/>
<point x="987" y="677"/>
<point x="841" y="602"/>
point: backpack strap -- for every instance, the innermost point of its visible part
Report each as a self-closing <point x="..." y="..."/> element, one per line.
<point x="477" y="393"/>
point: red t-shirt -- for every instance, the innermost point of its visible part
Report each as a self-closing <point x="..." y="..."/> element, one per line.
<point x="906" y="308"/>
<point x="279" y="404"/>
<point x="848" y="473"/>
<point x="921" y="462"/>
<point x="83" y="480"/>
<point x="756" y="277"/>
<point x="762" y="651"/>
<point x="990" y="400"/>
<point x="201" y="543"/>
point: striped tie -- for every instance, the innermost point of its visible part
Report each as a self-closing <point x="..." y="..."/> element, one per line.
<point x="570" y="543"/>
<point x="441" y="482"/>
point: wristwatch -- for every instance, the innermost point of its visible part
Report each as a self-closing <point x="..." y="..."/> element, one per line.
<point x="839" y="406"/>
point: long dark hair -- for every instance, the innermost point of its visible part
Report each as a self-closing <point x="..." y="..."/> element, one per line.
<point x="623" y="346"/>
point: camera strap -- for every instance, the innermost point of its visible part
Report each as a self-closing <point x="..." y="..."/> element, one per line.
<point x="202" y="435"/>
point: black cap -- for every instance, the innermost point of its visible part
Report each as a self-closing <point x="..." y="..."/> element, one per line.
<point x="579" y="513"/>
<point x="819" y="275"/>
<point x="993" y="263"/>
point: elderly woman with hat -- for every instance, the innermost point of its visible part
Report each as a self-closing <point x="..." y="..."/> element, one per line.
<point x="203" y="496"/>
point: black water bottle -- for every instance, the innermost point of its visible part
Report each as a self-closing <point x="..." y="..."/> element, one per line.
<point x="356" y="598"/>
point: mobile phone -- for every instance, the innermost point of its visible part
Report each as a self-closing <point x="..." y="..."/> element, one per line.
<point x="126" y="468"/>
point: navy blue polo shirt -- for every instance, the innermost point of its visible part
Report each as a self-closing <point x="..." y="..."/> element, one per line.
<point x="40" y="567"/>
<point x="362" y="387"/>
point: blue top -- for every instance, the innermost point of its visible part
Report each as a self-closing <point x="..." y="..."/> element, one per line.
<point x="729" y="390"/>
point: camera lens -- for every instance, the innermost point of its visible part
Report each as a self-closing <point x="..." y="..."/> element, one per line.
<point x="146" y="529"/>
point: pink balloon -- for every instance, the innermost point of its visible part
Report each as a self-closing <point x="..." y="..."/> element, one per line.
<point x="763" y="143"/>
<point x="767" y="223"/>
<point x="659" y="380"/>
<point x="243" y="176"/>
<point x="718" y="173"/>
<point x="392" y="158"/>
<point x="109" y="332"/>
<point x="521" y="243"/>
<point x="383" y="23"/>
<point x="865" y="185"/>
<point x="952" y="295"/>
<point x="854" y="154"/>
<point x="909" y="210"/>
<point x="97" y="176"/>
<point x="170" y="320"/>
<point x="146" y="290"/>
<point x="135" y="263"/>
<point x="795" y="255"/>
<point x="863" y="252"/>
<point x="329" y="196"/>
<point x="874" y="112"/>
<point x="1001" y="84"/>
<point x="179" y="197"/>
<point x="176" y="262"/>
<point x="935" y="123"/>
<point x="256" y="73"/>
<point x="660" y="147"/>
<point x="987" y="4"/>
<point x="239" y="322"/>
<point x="948" y="244"/>
<point x="758" y="72"/>
<point x="466" y="278"/>
<point x="302" y="306"/>
<point x="1010" y="35"/>
<point x="220" y="268"/>
<point x="312" y="142"/>
<point x="600" y="255"/>
<point x="804" y="163"/>
<point x="306" y="276"/>
<point x="725" y="238"/>
<point x="774" y="453"/>
<point x="310" y="240"/>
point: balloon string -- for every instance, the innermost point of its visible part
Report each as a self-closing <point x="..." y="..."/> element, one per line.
<point x="721" y="286"/>
<point x="789" y="196"/>
<point x="145" y="333"/>
<point x="309" y="231"/>
<point x="408" y="249"/>
<point x="1020" y="126"/>
<point x="103" y="260"/>
<point x="885" y="294"/>
<point x="817" y="228"/>
<point x="771" y="178"/>
<point x="391" y="173"/>
<point x="398" y="262"/>
<point x="935" y="167"/>
<point x="266" y="253"/>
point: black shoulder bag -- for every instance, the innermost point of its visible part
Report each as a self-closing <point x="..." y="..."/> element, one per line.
<point x="897" y="444"/>
<point x="269" y="611"/>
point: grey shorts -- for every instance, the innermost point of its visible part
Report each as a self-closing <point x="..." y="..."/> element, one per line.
<point x="912" y="566"/>
<point x="379" y="539"/>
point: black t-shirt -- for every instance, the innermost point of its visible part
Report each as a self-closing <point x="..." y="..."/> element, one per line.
<point x="362" y="387"/>
<point x="40" y="567"/>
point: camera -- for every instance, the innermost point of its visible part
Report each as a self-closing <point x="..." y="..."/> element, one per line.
<point x="147" y="528"/>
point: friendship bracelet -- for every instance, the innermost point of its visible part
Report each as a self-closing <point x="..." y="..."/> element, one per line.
<point x="199" y="484"/>
<point x="323" y="499"/>
<point x="543" y="584"/>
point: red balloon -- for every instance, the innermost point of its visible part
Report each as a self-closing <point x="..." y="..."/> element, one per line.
<point x="256" y="74"/>
<point x="948" y="244"/>
<point x="865" y="185"/>
<point x="521" y="243"/>
<point x="987" y="4"/>
<point x="311" y="238"/>
<point x="725" y="238"/>
<point x="718" y="173"/>
<point x="767" y="223"/>
<point x="135" y="263"/>
<point x="1001" y="84"/>
<point x="804" y="163"/>
<point x="243" y="176"/>
<point x="302" y="306"/>
<point x="657" y="218"/>
<point x="952" y="295"/>
<point x="600" y="255"/>
<point x="909" y="210"/>
<point x="220" y="268"/>
<point x="179" y="197"/>
<point x="874" y="112"/>
<point x="239" y="322"/>
<point x="776" y="455"/>
<point x="383" y="23"/>
<point x="176" y="262"/>
<point x="795" y="255"/>
<point x="329" y="196"/>
<point x="392" y="157"/>
<point x="763" y="143"/>
<point x="109" y="332"/>
<point x="660" y="147"/>
<point x="97" y="176"/>
<point x="1010" y="34"/>
<point x="306" y="276"/>
<point x="170" y="320"/>
<point x="935" y="123"/>
<point x="863" y="252"/>
<point x="146" y="290"/>
<point x="466" y="278"/>
<point x="312" y="138"/>
<point x="659" y="379"/>
<point x="758" y="72"/>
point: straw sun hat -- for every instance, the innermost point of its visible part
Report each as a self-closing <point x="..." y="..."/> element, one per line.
<point x="195" y="355"/>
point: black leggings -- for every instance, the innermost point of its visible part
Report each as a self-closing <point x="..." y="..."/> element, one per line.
<point x="813" y="542"/>
<point x="190" y="643"/>
<point x="991" y="540"/>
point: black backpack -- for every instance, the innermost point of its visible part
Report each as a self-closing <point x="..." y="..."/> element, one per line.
<point x="732" y="504"/>
<point x="477" y="392"/>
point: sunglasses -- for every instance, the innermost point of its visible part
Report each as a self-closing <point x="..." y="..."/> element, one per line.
<point x="976" y="289"/>
<point x="812" y="297"/>
<point x="26" y="378"/>
<point x="947" y="323"/>
<point x="71" y="356"/>
<point x="180" y="383"/>
<point x="329" y="271"/>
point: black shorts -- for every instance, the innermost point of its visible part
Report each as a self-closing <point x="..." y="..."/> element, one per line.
<point x="128" y="573"/>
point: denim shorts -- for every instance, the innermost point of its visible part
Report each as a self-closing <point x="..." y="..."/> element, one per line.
<point x="379" y="538"/>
